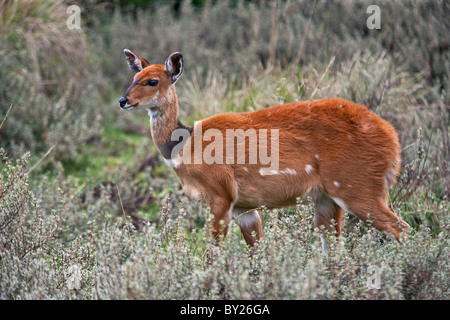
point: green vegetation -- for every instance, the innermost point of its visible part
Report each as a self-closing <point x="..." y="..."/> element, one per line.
<point x="89" y="211"/>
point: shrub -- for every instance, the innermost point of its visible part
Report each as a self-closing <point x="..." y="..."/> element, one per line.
<point x="111" y="260"/>
<point x="44" y="67"/>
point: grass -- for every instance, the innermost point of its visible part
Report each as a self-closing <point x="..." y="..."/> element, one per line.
<point x="100" y="200"/>
<point x="96" y="164"/>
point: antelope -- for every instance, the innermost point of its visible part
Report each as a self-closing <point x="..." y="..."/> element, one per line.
<point x="334" y="151"/>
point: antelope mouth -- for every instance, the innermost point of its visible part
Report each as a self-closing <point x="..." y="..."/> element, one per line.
<point x="129" y="106"/>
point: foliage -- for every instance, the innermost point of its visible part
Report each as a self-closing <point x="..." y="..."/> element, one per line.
<point x="43" y="71"/>
<point x="112" y="260"/>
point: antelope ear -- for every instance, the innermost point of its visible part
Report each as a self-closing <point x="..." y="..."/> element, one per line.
<point x="174" y="65"/>
<point x="135" y="62"/>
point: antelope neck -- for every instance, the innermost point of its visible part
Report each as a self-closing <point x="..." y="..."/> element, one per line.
<point x="163" y="122"/>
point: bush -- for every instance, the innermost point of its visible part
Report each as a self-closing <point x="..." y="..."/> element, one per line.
<point x="111" y="260"/>
<point x="43" y="71"/>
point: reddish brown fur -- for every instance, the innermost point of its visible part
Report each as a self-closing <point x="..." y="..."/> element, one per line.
<point x="344" y="157"/>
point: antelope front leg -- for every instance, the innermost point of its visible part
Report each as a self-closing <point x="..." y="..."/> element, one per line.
<point x="221" y="211"/>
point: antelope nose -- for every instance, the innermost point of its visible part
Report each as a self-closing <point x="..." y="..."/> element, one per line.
<point x="123" y="101"/>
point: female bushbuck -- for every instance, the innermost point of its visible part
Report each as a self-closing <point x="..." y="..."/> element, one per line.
<point x="335" y="151"/>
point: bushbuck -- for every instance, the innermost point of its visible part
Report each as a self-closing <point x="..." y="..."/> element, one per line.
<point x="334" y="151"/>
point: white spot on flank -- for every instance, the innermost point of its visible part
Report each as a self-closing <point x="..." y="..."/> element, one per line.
<point x="292" y="172"/>
<point x="267" y="172"/>
<point x="336" y="184"/>
<point x="317" y="156"/>
<point x="309" y="168"/>
<point x="349" y="185"/>
<point x="245" y="169"/>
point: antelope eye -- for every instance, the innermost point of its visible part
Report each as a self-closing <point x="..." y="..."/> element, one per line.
<point x="152" y="83"/>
